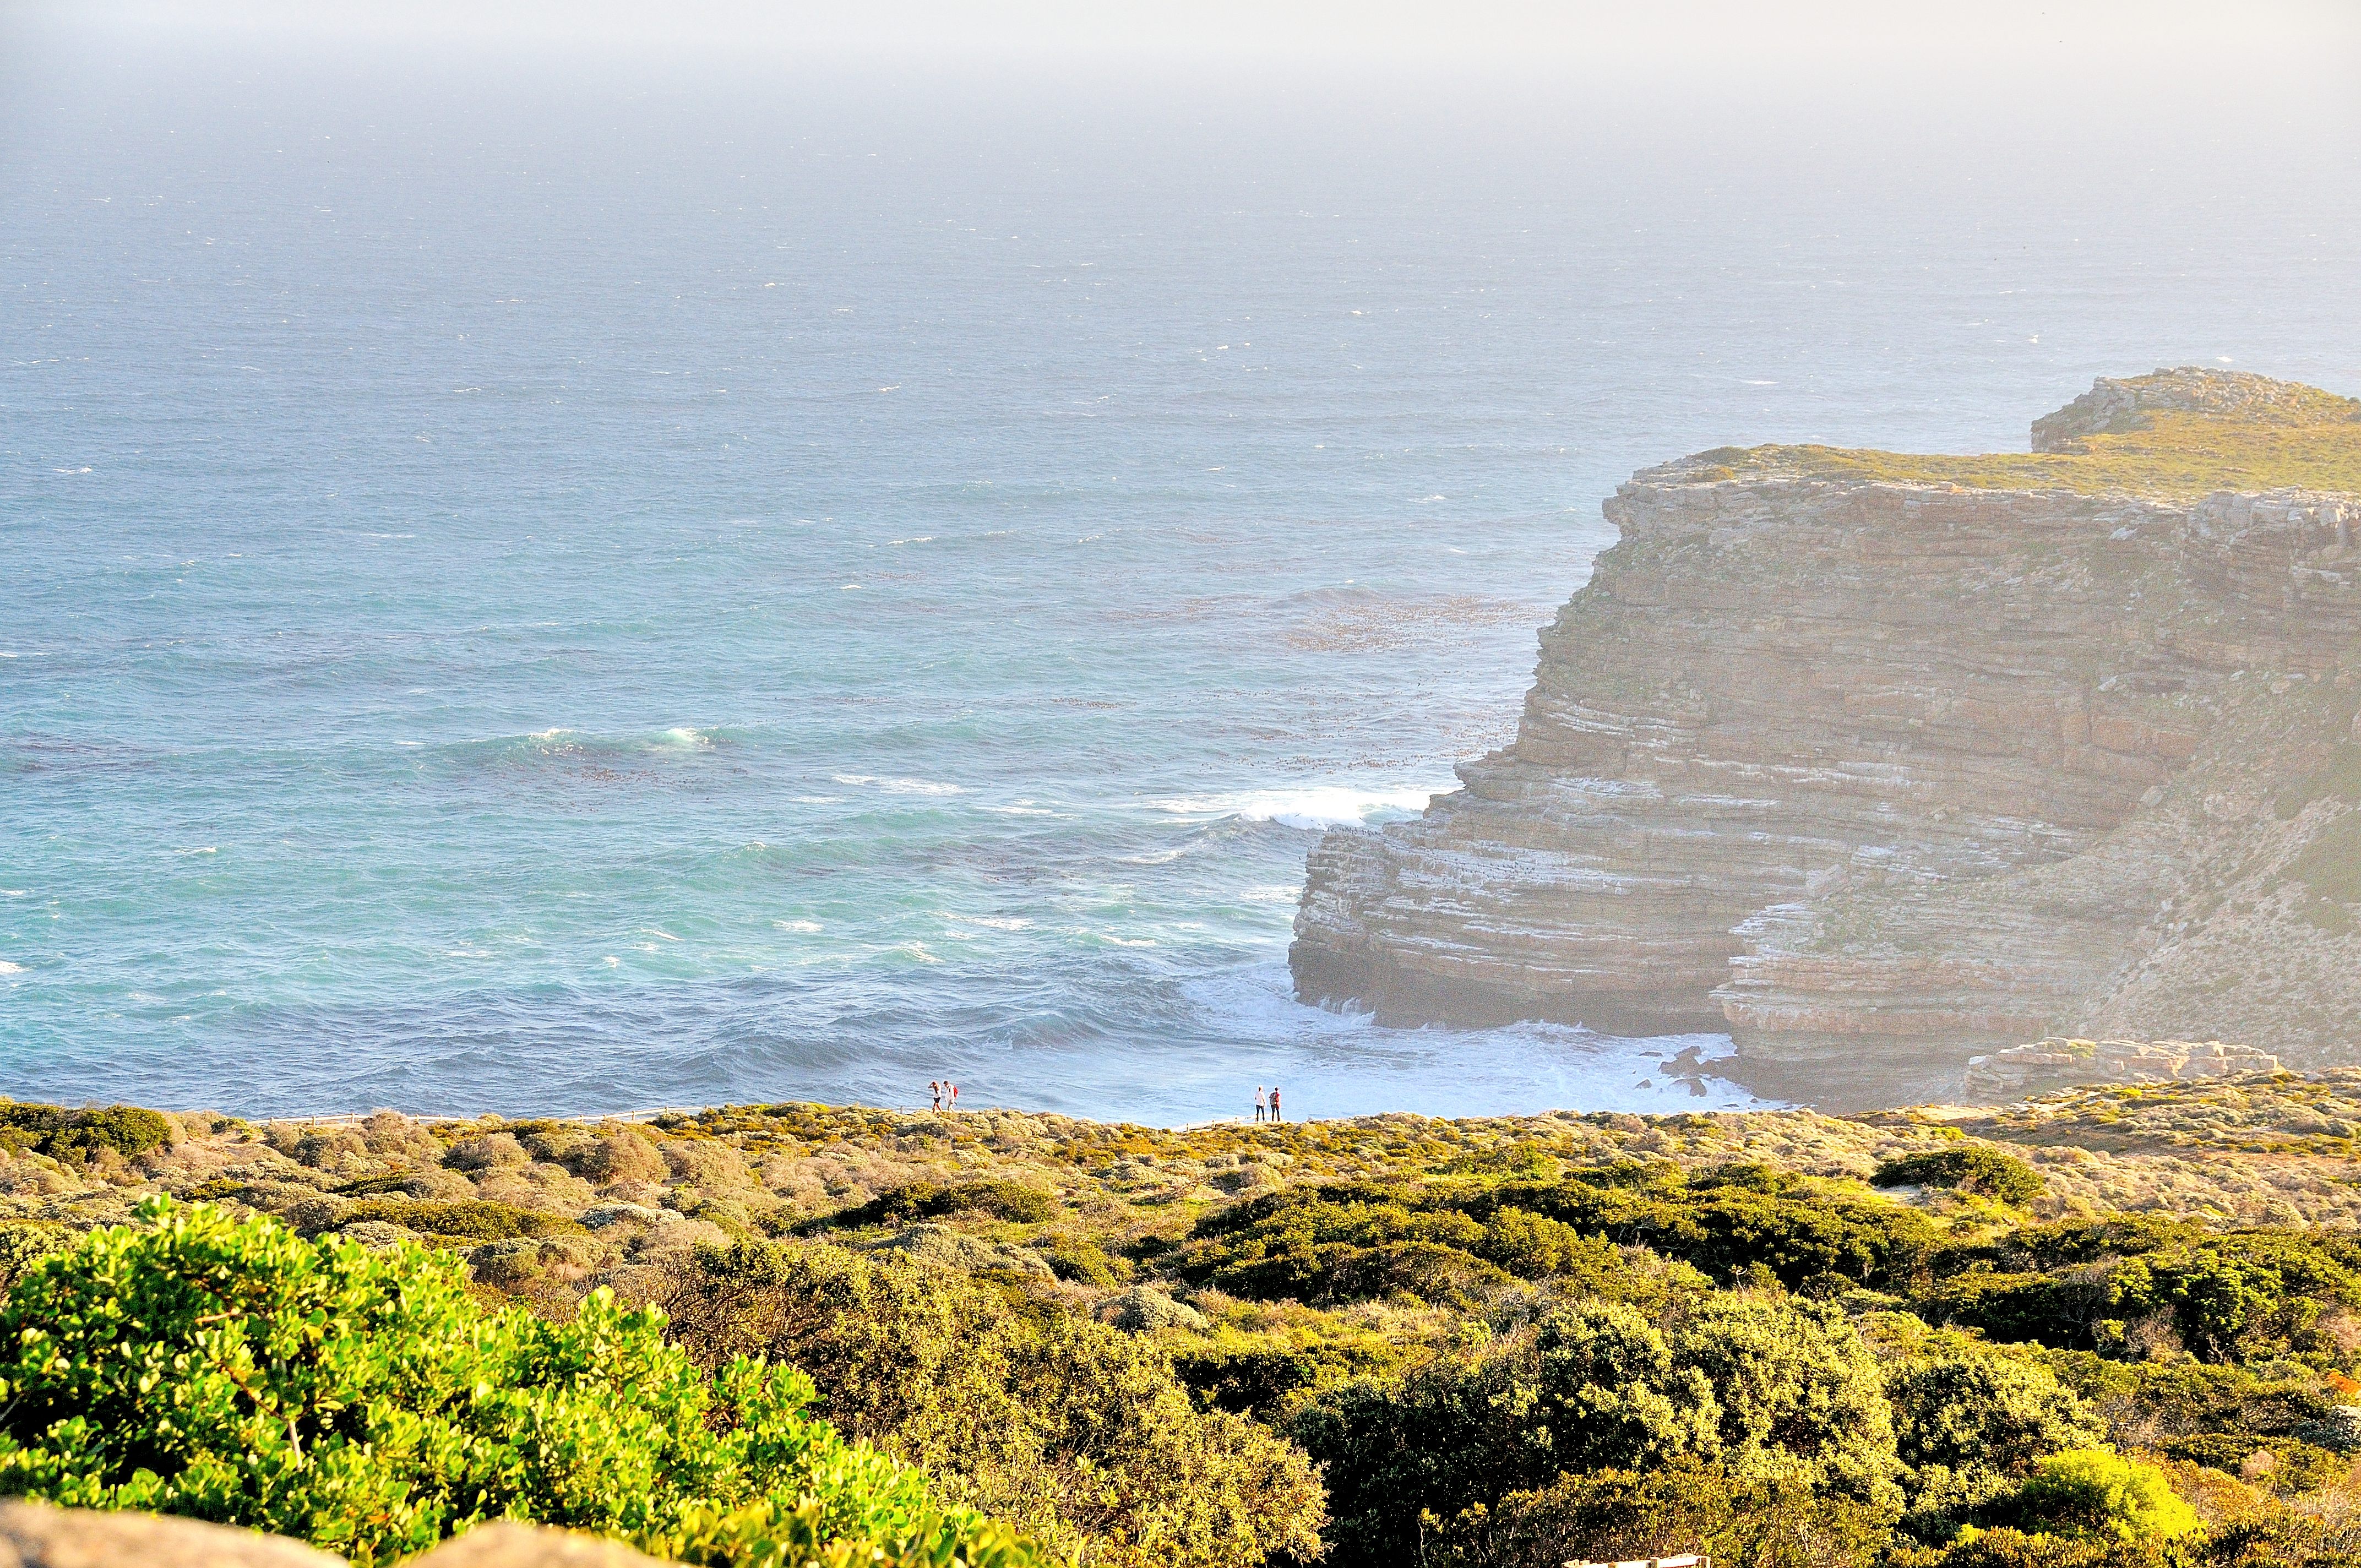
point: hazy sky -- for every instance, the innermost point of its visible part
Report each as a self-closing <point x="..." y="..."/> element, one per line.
<point x="2301" y="40"/>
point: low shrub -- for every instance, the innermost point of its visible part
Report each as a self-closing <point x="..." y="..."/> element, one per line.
<point x="1764" y="1389"/>
<point x="1620" y="1515"/>
<point x="63" y="1133"/>
<point x="474" y="1218"/>
<point x="2285" y="1463"/>
<point x="1985" y="1411"/>
<point x="23" y="1242"/>
<point x="928" y="1200"/>
<point x="2014" y="1549"/>
<point x="1986" y="1172"/>
<point x="1077" y="1433"/>
<point x="2101" y="1496"/>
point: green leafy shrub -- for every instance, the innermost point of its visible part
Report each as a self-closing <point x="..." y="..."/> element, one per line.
<point x="1454" y="1244"/>
<point x="1740" y="1218"/>
<point x="1257" y="1377"/>
<point x="929" y="1201"/>
<point x="1081" y="1262"/>
<point x="2287" y="1463"/>
<point x="1620" y="1515"/>
<point x="229" y="1370"/>
<point x="2013" y="1549"/>
<point x="1078" y="1433"/>
<point x="1987" y="1411"/>
<point x="2170" y="1400"/>
<point x="2244" y="1295"/>
<point x="1762" y="1388"/>
<point x="471" y="1218"/>
<point x="63" y="1133"/>
<point x="2103" y="1495"/>
<point x="1986" y="1172"/>
<point x="23" y="1242"/>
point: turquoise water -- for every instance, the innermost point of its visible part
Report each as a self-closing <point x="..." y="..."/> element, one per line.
<point x="621" y="591"/>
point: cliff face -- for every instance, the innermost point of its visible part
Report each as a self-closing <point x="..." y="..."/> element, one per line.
<point x="1879" y="761"/>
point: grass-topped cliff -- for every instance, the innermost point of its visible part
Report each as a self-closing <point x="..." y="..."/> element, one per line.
<point x="1879" y="763"/>
<point x="2085" y="1330"/>
<point x="2169" y="435"/>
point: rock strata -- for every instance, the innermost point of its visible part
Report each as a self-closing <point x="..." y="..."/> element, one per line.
<point x="1878" y="773"/>
<point x="2022" y="1071"/>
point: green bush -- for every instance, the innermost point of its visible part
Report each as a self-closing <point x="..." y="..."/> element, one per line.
<point x="23" y="1242"/>
<point x="2014" y="1549"/>
<point x="2103" y="1495"/>
<point x="1448" y="1244"/>
<point x="61" y="1134"/>
<point x="2181" y="1397"/>
<point x="195" y="1363"/>
<point x="1257" y="1377"/>
<point x="1081" y="1262"/>
<point x="1078" y="1433"/>
<point x="1740" y="1218"/>
<point x="2245" y="1295"/>
<point x="928" y="1200"/>
<point x="466" y="1217"/>
<point x="2293" y="1465"/>
<point x="1620" y="1515"/>
<point x="1984" y="1411"/>
<point x="1761" y="1389"/>
<point x="1986" y="1172"/>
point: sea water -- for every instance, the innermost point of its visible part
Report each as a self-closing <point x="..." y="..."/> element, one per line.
<point x="583" y="592"/>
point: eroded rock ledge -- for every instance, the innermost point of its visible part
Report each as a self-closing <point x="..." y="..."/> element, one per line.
<point x="1880" y="761"/>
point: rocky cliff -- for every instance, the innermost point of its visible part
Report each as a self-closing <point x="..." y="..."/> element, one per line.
<point x="1878" y="762"/>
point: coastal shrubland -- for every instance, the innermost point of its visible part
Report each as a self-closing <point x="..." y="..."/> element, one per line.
<point x="2111" y="1326"/>
<point x="363" y="1399"/>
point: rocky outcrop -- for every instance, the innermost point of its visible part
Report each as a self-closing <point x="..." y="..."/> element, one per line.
<point x="35" y="1535"/>
<point x="1879" y="774"/>
<point x="2022" y="1071"/>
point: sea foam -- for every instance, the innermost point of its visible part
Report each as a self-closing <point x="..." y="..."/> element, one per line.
<point x="1310" y="807"/>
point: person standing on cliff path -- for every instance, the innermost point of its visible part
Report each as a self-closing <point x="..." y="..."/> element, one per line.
<point x="954" y="1096"/>
<point x="936" y="1084"/>
<point x="1274" y="1104"/>
<point x="1258" y="1101"/>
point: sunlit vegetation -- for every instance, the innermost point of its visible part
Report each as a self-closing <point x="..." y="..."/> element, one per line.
<point x="2116" y="1326"/>
<point x="2311" y="441"/>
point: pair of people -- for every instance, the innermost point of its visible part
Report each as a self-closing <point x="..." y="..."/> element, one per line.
<point x="1267" y="1104"/>
<point x="945" y="1091"/>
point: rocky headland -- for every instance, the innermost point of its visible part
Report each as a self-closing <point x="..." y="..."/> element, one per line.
<point x="1879" y="762"/>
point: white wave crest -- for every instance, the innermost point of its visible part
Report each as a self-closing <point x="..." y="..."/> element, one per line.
<point x="7" y="968"/>
<point x="991" y="922"/>
<point x="1305" y="805"/>
<point x="899" y="787"/>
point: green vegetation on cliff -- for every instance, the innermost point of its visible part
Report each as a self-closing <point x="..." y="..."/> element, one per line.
<point x="2305" y="439"/>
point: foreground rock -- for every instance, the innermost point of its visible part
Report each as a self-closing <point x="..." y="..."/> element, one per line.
<point x="1879" y="764"/>
<point x="33" y="1535"/>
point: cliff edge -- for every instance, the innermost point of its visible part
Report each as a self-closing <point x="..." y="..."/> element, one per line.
<point x="1882" y="760"/>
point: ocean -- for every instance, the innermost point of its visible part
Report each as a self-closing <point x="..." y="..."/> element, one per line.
<point x="578" y="586"/>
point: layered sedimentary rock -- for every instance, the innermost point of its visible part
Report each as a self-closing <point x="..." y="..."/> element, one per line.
<point x="2022" y="1071"/>
<point x="1879" y="763"/>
